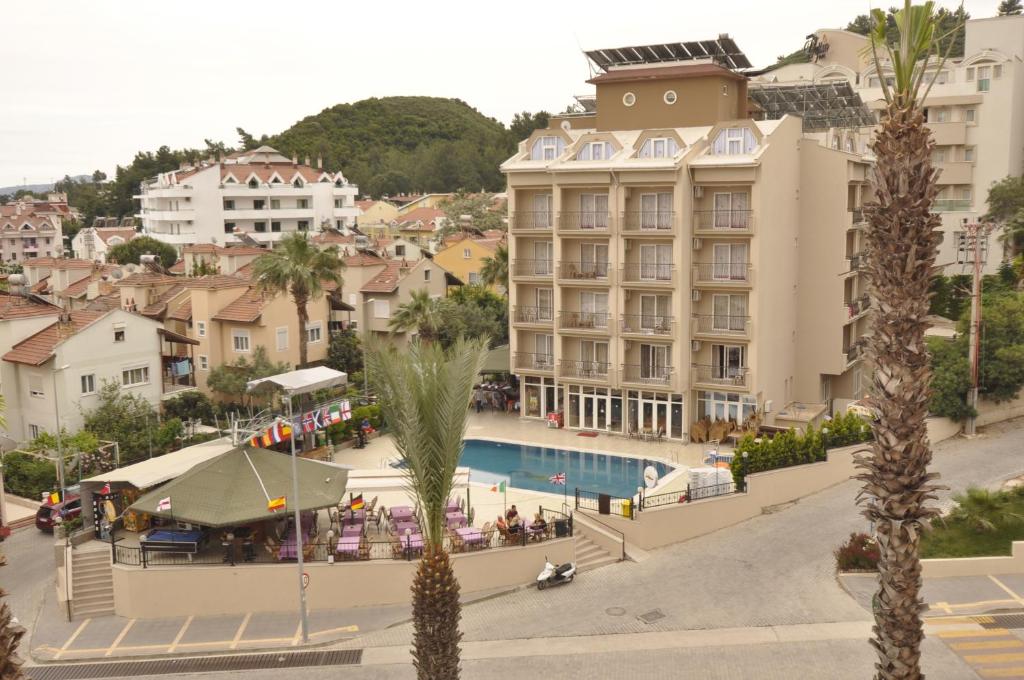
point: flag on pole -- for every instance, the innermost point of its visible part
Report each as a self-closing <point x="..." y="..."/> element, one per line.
<point x="335" y="414"/>
<point x="275" y="504"/>
<point x="54" y="497"/>
<point x="267" y="439"/>
<point x="498" y="488"/>
<point x="164" y="505"/>
<point x="105" y="491"/>
<point x="558" y="479"/>
<point x="346" y="410"/>
<point x="255" y="442"/>
<point x="357" y="503"/>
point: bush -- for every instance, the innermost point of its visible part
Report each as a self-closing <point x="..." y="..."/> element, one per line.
<point x="28" y="476"/>
<point x="345" y="430"/>
<point x="984" y="523"/>
<point x="190" y="405"/>
<point x="860" y="553"/>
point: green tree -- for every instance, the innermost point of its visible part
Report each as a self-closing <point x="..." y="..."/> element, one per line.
<point x="229" y="380"/>
<point x="127" y="419"/>
<point x="1010" y="7"/>
<point x="478" y="208"/>
<point x="902" y="241"/>
<point x="422" y="314"/>
<point x="951" y="379"/>
<point x="129" y="252"/>
<point x="1006" y="209"/>
<point x="189" y="405"/>
<point x="951" y="29"/>
<point x="424" y="394"/>
<point x="297" y="267"/>
<point x="388" y="183"/>
<point x="494" y="271"/>
<point x="11" y="633"/>
<point x="474" y="312"/>
<point x="345" y="352"/>
<point x="98" y="176"/>
<point x="523" y="124"/>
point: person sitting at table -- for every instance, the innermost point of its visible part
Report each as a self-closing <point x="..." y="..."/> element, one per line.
<point x="539" y="523"/>
<point x="511" y="513"/>
<point x="515" y="525"/>
<point x="501" y="525"/>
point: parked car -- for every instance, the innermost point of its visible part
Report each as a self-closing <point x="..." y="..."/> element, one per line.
<point x="47" y="514"/>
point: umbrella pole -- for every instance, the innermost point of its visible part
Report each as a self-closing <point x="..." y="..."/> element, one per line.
<point x="303" y="617"/>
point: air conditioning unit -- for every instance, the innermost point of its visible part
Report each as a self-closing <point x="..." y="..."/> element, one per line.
<point x="695" y="345"/>
<point x="698" y="191"/>
<point x="697" y="244"/>
<point x="695" y="295"/>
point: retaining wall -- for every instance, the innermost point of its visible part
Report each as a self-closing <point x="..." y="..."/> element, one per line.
<point x="977" y="566"/>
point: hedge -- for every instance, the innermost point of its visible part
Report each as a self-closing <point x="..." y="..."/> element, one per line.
<point x="347" y="430"/>
<point x="28" y="476"/>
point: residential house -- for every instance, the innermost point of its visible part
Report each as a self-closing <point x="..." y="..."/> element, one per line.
<point x="32" y="228"/>
<point x="392" y="287"/>
<point x="93" y="243"/>
<point x="463" y="255"/>
<point x="421" y="226"/>
<point x="375" y="217"/>
<point x="409" y="203"/>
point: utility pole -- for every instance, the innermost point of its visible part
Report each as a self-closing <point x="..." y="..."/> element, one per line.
<point x="973" y="235"/>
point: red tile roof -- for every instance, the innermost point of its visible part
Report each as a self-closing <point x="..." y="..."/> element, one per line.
<point x="265" y="171"/>
<point x="39" y="348"/>
<point x="159" y="305"/>
<point x="423" y="214"/>
<point x="148" y="279"/>
<point x="105" y="303"/>
<point x="387" y="280"/>
<point x="362" y="259"/>
<point x="18" y="307"/>
<point x="332" y="237"/>
<point x="213" y="281"/>
<point x="106" y="233"/>
<point x="178" y="267"/>
<point x="246" y="308"/>
<point x="183" y="312"/>
<point x="59" y="263"/>
<point x="213" y="249"/>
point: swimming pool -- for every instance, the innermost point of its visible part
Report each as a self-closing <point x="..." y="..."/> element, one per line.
<point x="528" y="467"/>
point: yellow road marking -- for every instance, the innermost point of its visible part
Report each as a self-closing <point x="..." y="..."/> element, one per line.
<point x="951" y="620"/>
<point x="1002" y="585"/>
<point x="993" y="658"/>
<point x="982" y="603"/>
<point x="343" y="629"/>
<point x="181" y="634"/>
<point x="991" y="632"/>
<point x="944" y="606"/>
<point x="70" y="640"/>
<point x="120" y="636"/>
<point x="240" y="631"/>
<point x="298" y="634"/>
<point x="987" y="644"/>
<point x="1014" y="672"/>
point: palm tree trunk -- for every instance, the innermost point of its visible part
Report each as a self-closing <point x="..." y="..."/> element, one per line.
<point x="901" y="245"/>
<point x="436" y="613"/>
<point x="10" y="636"/>
<point x="303" y="312"/>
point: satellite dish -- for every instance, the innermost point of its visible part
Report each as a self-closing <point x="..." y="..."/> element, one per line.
<point x="116" y="274"/>
<point x="566" y="125"/>
<point x="650" y="476"/>
<point x="16" y="279"/>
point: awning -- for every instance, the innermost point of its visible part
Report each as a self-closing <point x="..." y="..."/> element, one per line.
<point x="171" y="336"/>
<point x="234" y="488"/>
<point x="304" y="380"/>
<point x="497" y="361"/>
<point x="158" y="470"/>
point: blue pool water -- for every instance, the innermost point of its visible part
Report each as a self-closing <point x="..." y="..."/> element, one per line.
<point x="528" y="467"/>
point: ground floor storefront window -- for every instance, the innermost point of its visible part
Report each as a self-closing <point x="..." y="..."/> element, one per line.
<point x="725" y="406"/>
<point x="540" y="397"/>
<point x="594" y="408"/>
<point x="656" y="412"/>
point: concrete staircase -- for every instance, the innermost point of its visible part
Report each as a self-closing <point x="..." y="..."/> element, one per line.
<point x="589" y="555"/>
<point x="92" y="584"/>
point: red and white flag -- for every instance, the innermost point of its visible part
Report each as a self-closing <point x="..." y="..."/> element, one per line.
<point x="164" y="505"/>
<point x="558" y="479"/>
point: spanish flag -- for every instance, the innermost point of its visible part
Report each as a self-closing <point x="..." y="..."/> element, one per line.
<point x="357" y="503"/>
<point x="275" y="504"/>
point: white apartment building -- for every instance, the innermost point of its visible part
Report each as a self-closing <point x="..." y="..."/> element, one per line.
<point x="260" y="193"/>
<point x="674" y="260"/>
<point x="975" y="112"/>
<point x="93" y="243"/>
<point x="32" y="228"/>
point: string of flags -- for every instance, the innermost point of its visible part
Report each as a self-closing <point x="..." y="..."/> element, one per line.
<point x="310" y="421"/>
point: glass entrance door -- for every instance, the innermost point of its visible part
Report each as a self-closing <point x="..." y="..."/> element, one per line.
<point x="594" y="412"/>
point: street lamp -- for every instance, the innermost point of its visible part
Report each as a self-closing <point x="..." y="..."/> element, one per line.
<point x="60" y="443"/>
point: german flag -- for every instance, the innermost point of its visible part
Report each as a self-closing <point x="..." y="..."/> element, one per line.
<point x="275" y="504"/>
<point x="357" y="503"/>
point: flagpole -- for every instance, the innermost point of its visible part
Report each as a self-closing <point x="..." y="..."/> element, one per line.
<point x="303" y="618"/>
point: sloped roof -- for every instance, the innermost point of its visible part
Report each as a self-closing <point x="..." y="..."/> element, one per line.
<point x="183" y="311"/>
<point x="158" y="470"/>
<point x="662" y="72"/>
<point x="105" y="303"/>
<point x="147" y="279"/>
<point x="213" y="281"/>
<point x="106" y="233"/>
<point x="178" y="267"/>
<point x="59" y="263"/>
<point x="422" y="214"/>
<point x="387" y="280"/>
<point x="18" y="307"/>
<point x="39" y="348"/>
<point x="246" y="308"/>
<point x="363" y="259"/>
<point x="159" y="305"/>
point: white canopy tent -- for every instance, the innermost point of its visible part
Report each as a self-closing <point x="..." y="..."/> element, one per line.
<point x="149" y="473"/>
<point x="304" y="380"/>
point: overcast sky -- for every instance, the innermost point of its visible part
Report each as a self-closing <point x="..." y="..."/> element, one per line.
<point x="87" y="84"/>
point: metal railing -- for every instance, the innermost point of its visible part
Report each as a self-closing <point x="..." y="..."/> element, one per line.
<point x="562" y="522"/>
<point x="722" y="272"/>
<point x="951" y="204"/>
<point x="648" y="324"/>
<point x="857" y="307"/>
<point x="857" y="215"/>
<point x="856" y="262"/>
<point x="587" y="271"/>
<point x="545" y="268"/>
<point x="571" y="368"/>
<point x="586" y="220"/>
<point x="692" y="493"/>
<point x="649" y="272"/>
<point x="605" y="504"/>
<point x="585" y="320"/>
<point x="723" y="220"/>
<point x="648" y="220"/>
<point x="531" y="219"/>
<point x="647" y="375"/>
<point x="853" y="353"/>
<point x="534" y="361"/>
<point x="544" y="315"/>
<point x="722" y="324"/>
<point x="721" y="375"/>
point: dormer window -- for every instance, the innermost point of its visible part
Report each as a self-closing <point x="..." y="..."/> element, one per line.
<point x="337" y="183"/>
<point x="659" y="147"/>
<point x="735" y="141"/>
<point x="595" y="151"/>
<point x="276" y="180"/>
<point x="254" y="183"/>
<point x="230" y="180"/>
<point x="297" y="183"/>
<point x="547" y="148"/>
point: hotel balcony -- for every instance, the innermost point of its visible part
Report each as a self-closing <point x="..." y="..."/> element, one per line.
<point x="649" y="274"/>
<point x="269" y="214"/>
<point x="531" y="220"/>
<point x="721" y="326"/>
<point x="29" y="248"/>
<point x="531" y="361"/>
<point x="949" y="133"/>
<point x="723" y="222"/>
<point x="703" y="375"/>
<point x="539" y="316"/>
<point x="589" y="322"/>
<point x="169" y="215"/>
<point x="643" y="374"/>
<point x="585" y="273"/>
<point x="856" y="263"/>
<point x="854" y="309"/>
<point x="955" y="172"/>
<point x="857" y="217"/>
<point x="653" y="222"/>
<point x="584" y="370"/>
<point x="648" y="325"/>
<point x="532" y="269"/>
<point x="853" y="354"/>
<point x="723" y="274"/>
<point x="951" y="205"/>
<point x="577" y="222"/>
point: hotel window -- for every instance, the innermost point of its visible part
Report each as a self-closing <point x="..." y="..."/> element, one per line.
<point x="984" y="73"/>
<point x="297" y="183"/>
<point x="303" y="225"/>
<point x="595" y="151"/>
<point x="426" y="275"/>
<point x="670" y="97"/>
<point x="229" y="227"/>
<point x="629" y="99"/>
<point x="969" y="154"/>
<point x="33" y="431"/>
<point x="282" y="338"/>
<point x="314" y="332"/>
<point x="35" y="386"/>
<point x="204" y="362"/>
<point x="254" y="183"/>
<point x="942" y="78"/>
<point x="275" y="203"/>
<point x="966" y="194"/>
<point x="874" y="82"/>
<point x="997" y="71"/>
<point x="734" y="141"/>
<point x="201" y="329"/>
<point x="259" y="204"/>
<point x="260" y="226"/>
<point x="970" y="74"/>
<point x="135" y="376"/>
<point x="970" y="115"/>
<point x="302" y="203"/>
<point x="466" y="254"/>
<point x="400" y="251"/>
<point x="339" y="203"/>
<point x="88" y="383"/>
<point x="659" y="147"/>
<point x="119" y="334"/>
<point x="381" y="309"/>
<point x="240" y="340"/>
<point x="547" y="148"/>
<point x="275" y="226"/>
<point x="474" y="278"/>
<point x="938" y="156"/>
<point x="229" y="204"/>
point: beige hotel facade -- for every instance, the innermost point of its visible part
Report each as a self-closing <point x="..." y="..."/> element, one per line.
<point x="671" y="258"/>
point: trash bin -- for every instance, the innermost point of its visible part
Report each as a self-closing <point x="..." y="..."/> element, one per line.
<point x="627" y="508"/>
<point x="604" y="504"/>
<point x="561" y="528"/>
<point x="556" y="419"/>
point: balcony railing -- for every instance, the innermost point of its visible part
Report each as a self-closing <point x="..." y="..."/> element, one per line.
<point x="584" y="320"/>
<point x="532" y="219"/>
<point x="857" y="215"/>
<point x="733" y="376"/>
<point x="647" y="324"/>
<point x="722" y="324"/>
<point x="856" y="262"/>
<point x="646" y="374"/>
<point x="857" y="307"/>
<point x="569" y="368"/>
<point x="592" y="271"/>
<point x="649" y="272"/>
<point x="535" y="362"/>
<point x="951" y="204"/>
<point x="729" y="221"/>
<point x="649" y="220"/>
<point x="853" y="353"/>
<point x="542" y="315"/>
<point x="584" y="221"/>
<point x="544" y="268"/>
<point x="722" y="272"/>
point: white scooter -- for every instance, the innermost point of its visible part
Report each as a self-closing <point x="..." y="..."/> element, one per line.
<point x="555" y="574"/>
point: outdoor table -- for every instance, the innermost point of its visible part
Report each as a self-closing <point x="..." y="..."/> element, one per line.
<point x="352" y="530"/>
<point x="412" y="542"/>
<point x="470" y="535"/>
<point x="400" y="527"/>
<point x="534" y="532"/>
<point x="401" y="512"/>
<point x="288" y="551"/>
<point x="453" y="506"/>
<point x="353" y="516"/>
<point x="456" y="519"/>
<point x="349" y="545"/>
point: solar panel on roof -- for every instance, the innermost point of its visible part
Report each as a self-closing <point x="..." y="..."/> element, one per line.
<point x="821" y="105"/>
<point x="723" y="50"/>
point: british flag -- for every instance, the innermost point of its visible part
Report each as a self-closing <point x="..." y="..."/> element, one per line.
<point x="557" y="478"/>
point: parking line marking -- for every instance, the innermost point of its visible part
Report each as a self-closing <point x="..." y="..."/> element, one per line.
<point x="1014" y="672"/>
<point x="240" y="631"/>
<point x="71" y="640"/>
<point x="944" y="606"/>
<point x="1002" y="585"/>
<point x="342" y="629"/>
<point x="987" y="644"/>
<point x="993" y="658"/>
<point x="981" y="603"/>
<point x="990" y="632"/>
<point x="952" y="620"/>
<point x="181" y="634"/>
<point x="120" y="636"/>
<point x="298" y="634"/>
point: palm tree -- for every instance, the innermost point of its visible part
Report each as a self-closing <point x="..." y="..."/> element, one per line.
<point x="298" y="267"/>
<point x="10" y="635"/>
<point x="422" y="313"/>
<point x="495" y="269"/>
<point x="424" y="396"/>
<point x="901" y="243"/>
